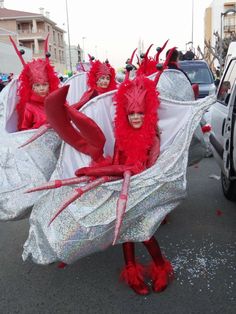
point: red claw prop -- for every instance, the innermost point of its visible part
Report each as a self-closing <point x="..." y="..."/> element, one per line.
<point x="58" y="183"/>
<point x="121" y="204"/>
<point x="60" y="115"/>
<point x="42" y="130"/>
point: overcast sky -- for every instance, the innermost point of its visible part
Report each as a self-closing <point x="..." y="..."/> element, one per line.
<point x="112" y="28"/>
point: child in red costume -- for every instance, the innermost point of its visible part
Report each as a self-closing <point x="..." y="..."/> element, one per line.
<point x="37" y="80"/>
<point x="101" y="79"/>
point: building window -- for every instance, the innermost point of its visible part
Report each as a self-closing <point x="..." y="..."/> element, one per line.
<point x="55" y="53"/>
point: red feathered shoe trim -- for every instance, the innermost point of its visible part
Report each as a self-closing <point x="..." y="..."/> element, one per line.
<point x="132" y="274"/>
<point x="61" y="265"/>
<point x="161" y="275"/>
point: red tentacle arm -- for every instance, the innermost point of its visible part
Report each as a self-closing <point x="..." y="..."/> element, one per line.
<point x="79" y="192"/>
<point x="59" y="119"/>
<point x="112" y="170"/>
<point x="58" y="183"/>
<point x="121" y="204"/>
<point x="42" y="130"/>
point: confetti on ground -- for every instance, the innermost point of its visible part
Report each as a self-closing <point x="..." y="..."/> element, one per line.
<point x="191" y="264"/>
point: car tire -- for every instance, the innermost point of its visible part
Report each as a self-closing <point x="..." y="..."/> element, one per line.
<point x="228" y="187"/>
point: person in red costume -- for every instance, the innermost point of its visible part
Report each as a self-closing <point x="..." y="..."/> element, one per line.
<point x="101" y="79"/>
<point x="137" y="148"/>
<point x="37" y="80"/>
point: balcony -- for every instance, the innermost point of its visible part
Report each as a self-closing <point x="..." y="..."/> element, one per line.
<point x="28" y="34"/>
<point x="229" y="28"/>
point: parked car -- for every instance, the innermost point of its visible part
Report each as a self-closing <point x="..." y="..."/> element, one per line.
<point x="199" y="73"/>
<point x="223" y="133"/>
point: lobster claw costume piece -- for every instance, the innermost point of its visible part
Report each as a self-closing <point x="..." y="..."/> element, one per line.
<point x="24" y="168"/>
<point x="88" y="140"/>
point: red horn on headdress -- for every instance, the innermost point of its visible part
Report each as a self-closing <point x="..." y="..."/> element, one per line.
<point x="17" y="51"/>
<point x="165" y="64"/>
<point x="160" y="50"/>
<point x="46" y="52"/>
<point x="128" y="68"/>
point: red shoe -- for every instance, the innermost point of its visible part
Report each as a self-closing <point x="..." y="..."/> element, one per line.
<point x="62" y="265"/>
<point x="161" y="276"/>
<point x="132" y="274"/>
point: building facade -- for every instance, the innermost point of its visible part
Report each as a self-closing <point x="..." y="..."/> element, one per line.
<point x="73" y="57"/>
<point x="217" y="21"/>
<point x="31" y="30"/>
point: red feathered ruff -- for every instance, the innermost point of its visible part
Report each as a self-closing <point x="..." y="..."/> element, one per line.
<point x="136" y="143"/>
<point x="25" y="87"/>
<point x="92" y="77"/>
<point x="161" y="275"/>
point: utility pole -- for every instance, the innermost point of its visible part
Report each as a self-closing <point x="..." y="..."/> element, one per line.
<point x="68" y="32"/>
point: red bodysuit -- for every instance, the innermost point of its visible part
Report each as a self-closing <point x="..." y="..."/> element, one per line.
<point x="33" y="115"/>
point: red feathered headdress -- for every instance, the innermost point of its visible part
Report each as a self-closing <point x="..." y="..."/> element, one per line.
<point x="138" y="95"/>
<point x="97" y="70"/>
<point x="36" y="71"/>
<point x="148" y="64"/>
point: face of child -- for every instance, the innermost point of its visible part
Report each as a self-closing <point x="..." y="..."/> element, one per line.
<point x="136" y="119"/>
<point x="41" y="89"/>
<point x="103" y="81"/>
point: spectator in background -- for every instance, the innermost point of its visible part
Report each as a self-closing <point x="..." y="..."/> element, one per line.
<point x="173" y="64"/>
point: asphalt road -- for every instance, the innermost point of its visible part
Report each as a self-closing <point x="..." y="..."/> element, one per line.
<point x="199" y="239"/>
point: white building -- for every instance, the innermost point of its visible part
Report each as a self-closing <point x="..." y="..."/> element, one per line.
<point x="217" y="21"/>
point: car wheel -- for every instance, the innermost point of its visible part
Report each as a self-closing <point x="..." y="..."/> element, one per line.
<point x="228" y="187"/>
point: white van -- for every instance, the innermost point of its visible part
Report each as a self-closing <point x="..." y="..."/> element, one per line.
<point x="223" y="134"/>
<point x="230" y="53"/>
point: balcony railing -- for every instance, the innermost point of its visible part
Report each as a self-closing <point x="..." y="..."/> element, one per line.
<point x="30" y="34"/>
<point x="229" y="28"/>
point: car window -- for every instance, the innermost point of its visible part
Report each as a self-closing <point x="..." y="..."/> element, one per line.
<point x="198" y="73"/>
<point x="227" y="83"/>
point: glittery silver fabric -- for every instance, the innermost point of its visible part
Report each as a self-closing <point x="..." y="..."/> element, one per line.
<point x="173" y="84"/>
<point x="21" y="168"/>
<point x="87" y="225"/>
